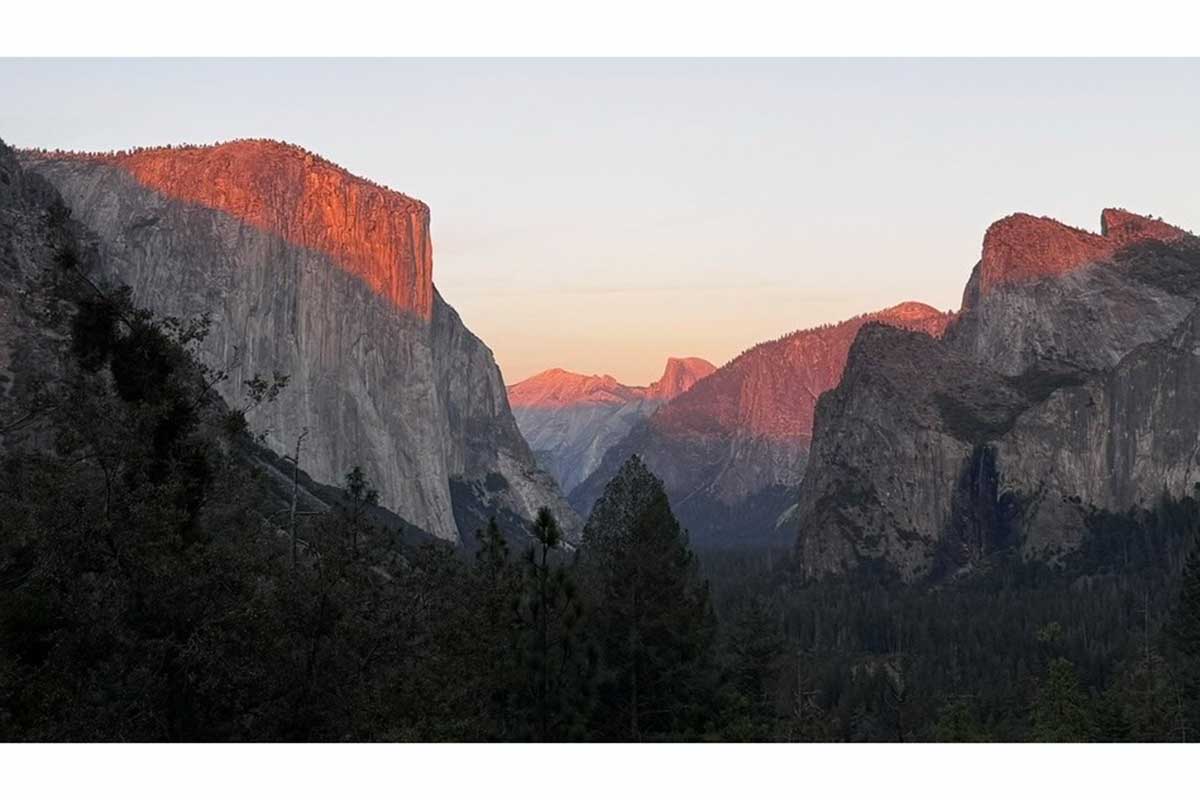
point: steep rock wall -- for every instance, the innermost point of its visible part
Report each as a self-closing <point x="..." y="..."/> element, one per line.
<point x="1066" y="391"/>
<point x="326" y="278"/>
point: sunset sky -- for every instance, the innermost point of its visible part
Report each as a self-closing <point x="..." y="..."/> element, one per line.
<point x="602" y="215"/>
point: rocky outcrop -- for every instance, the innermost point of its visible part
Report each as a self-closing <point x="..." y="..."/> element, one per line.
<point x="571" y="420"/>
<point x="1089" y="318"/>
<point x="309" y="271"/>
<point x="770" y="390"/>
<point x="375" y="234"/>
<point x="1070" y="390"/>
<point x="1123" y="438"/>
<point x="891" y="443"/>
<point x="678" y="376"/>
<point x="1022" y="248"/>
<point x="26" y="254"/>
<point x="732" y="449"/>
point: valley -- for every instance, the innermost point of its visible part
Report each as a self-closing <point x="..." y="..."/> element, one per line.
<point x="245" y="438"/>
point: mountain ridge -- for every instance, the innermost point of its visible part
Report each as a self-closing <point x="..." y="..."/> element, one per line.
<point x="1022" y="247"/>
<point x="557" y="387"/>
<point x="760" y="410"/>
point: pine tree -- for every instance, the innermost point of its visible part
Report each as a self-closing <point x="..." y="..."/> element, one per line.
<point x="1060" y="712"/>
<point x="131" y="568"/>
<point x="360" y="496"/>
<point x="1144" y="699"/>
<point x="957" y="722"/>
<point x="491" y="559"/>
<point x="752" y="650"/>
<point x="551" y="614"/>
<point x="498" y="589"/>
<point x="653" y="620"/>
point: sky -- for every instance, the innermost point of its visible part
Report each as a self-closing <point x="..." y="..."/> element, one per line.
<point x="600" y="216"/>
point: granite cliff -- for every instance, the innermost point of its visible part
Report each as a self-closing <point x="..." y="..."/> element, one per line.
<point x="312" y="272"/>
<point x="1066" y="386"/>
<point x="1022" y="248"/>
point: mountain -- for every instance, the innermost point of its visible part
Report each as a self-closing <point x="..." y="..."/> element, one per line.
<point x="678" y="376"/>
<point x="731" y="449"/>
<point x="1065" y="388"/>
<point x="1022" y="248"/>
<point x="312" y="272"/>
<point x="571" y="420"/>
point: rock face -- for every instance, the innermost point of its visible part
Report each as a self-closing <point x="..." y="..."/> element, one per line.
<point x="1021" y="248"/>
<point x="314" y="273"/>
<point x="377" y="235"/>
<point x="731" y="450"/>
<point x="571" y="420"/>
<point x="678" y="376"/>
<point x="1122" y="438"/>
<point x="25" y="254"/>
<point x="1066" y="387"/>
<point x="35" y="348"/>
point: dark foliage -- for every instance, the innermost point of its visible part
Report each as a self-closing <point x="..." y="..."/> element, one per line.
<point x="652" y="620"/>
<point x="1004" y="654"/>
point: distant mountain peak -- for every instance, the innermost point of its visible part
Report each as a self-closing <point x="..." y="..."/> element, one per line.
<point x="679" y="375"/>
<point x="1021" y="247"/>
<point x="571" y="420"/>
<point x="908" y="311"/>
<point x="559" y="388"/>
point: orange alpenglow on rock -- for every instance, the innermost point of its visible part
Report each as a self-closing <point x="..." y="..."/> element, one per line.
<point x="770" y="391"/>
<point x="679" y="376"/>
<point x="559" y="388"/>
<point x="377" y="234"/>
<point x="1022" y="248"/>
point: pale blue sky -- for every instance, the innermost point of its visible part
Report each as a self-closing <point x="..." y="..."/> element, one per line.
<point x="602" y="215"/>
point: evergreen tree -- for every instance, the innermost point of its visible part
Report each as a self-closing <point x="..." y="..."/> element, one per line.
<point x="753" y="648"/>
<point x="957" y="722"/>
<point x="808" y="719"/>
<point x="491" y="555"/>
<point x="360" y="496"/>
<point x="1145" y="702"/>
<point x="498" y="589"/>
<point x="553" y="663"/>
<point x="653" y="621"/>
<point x="1060" y="712"/>
<point x="132" y="576"/>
